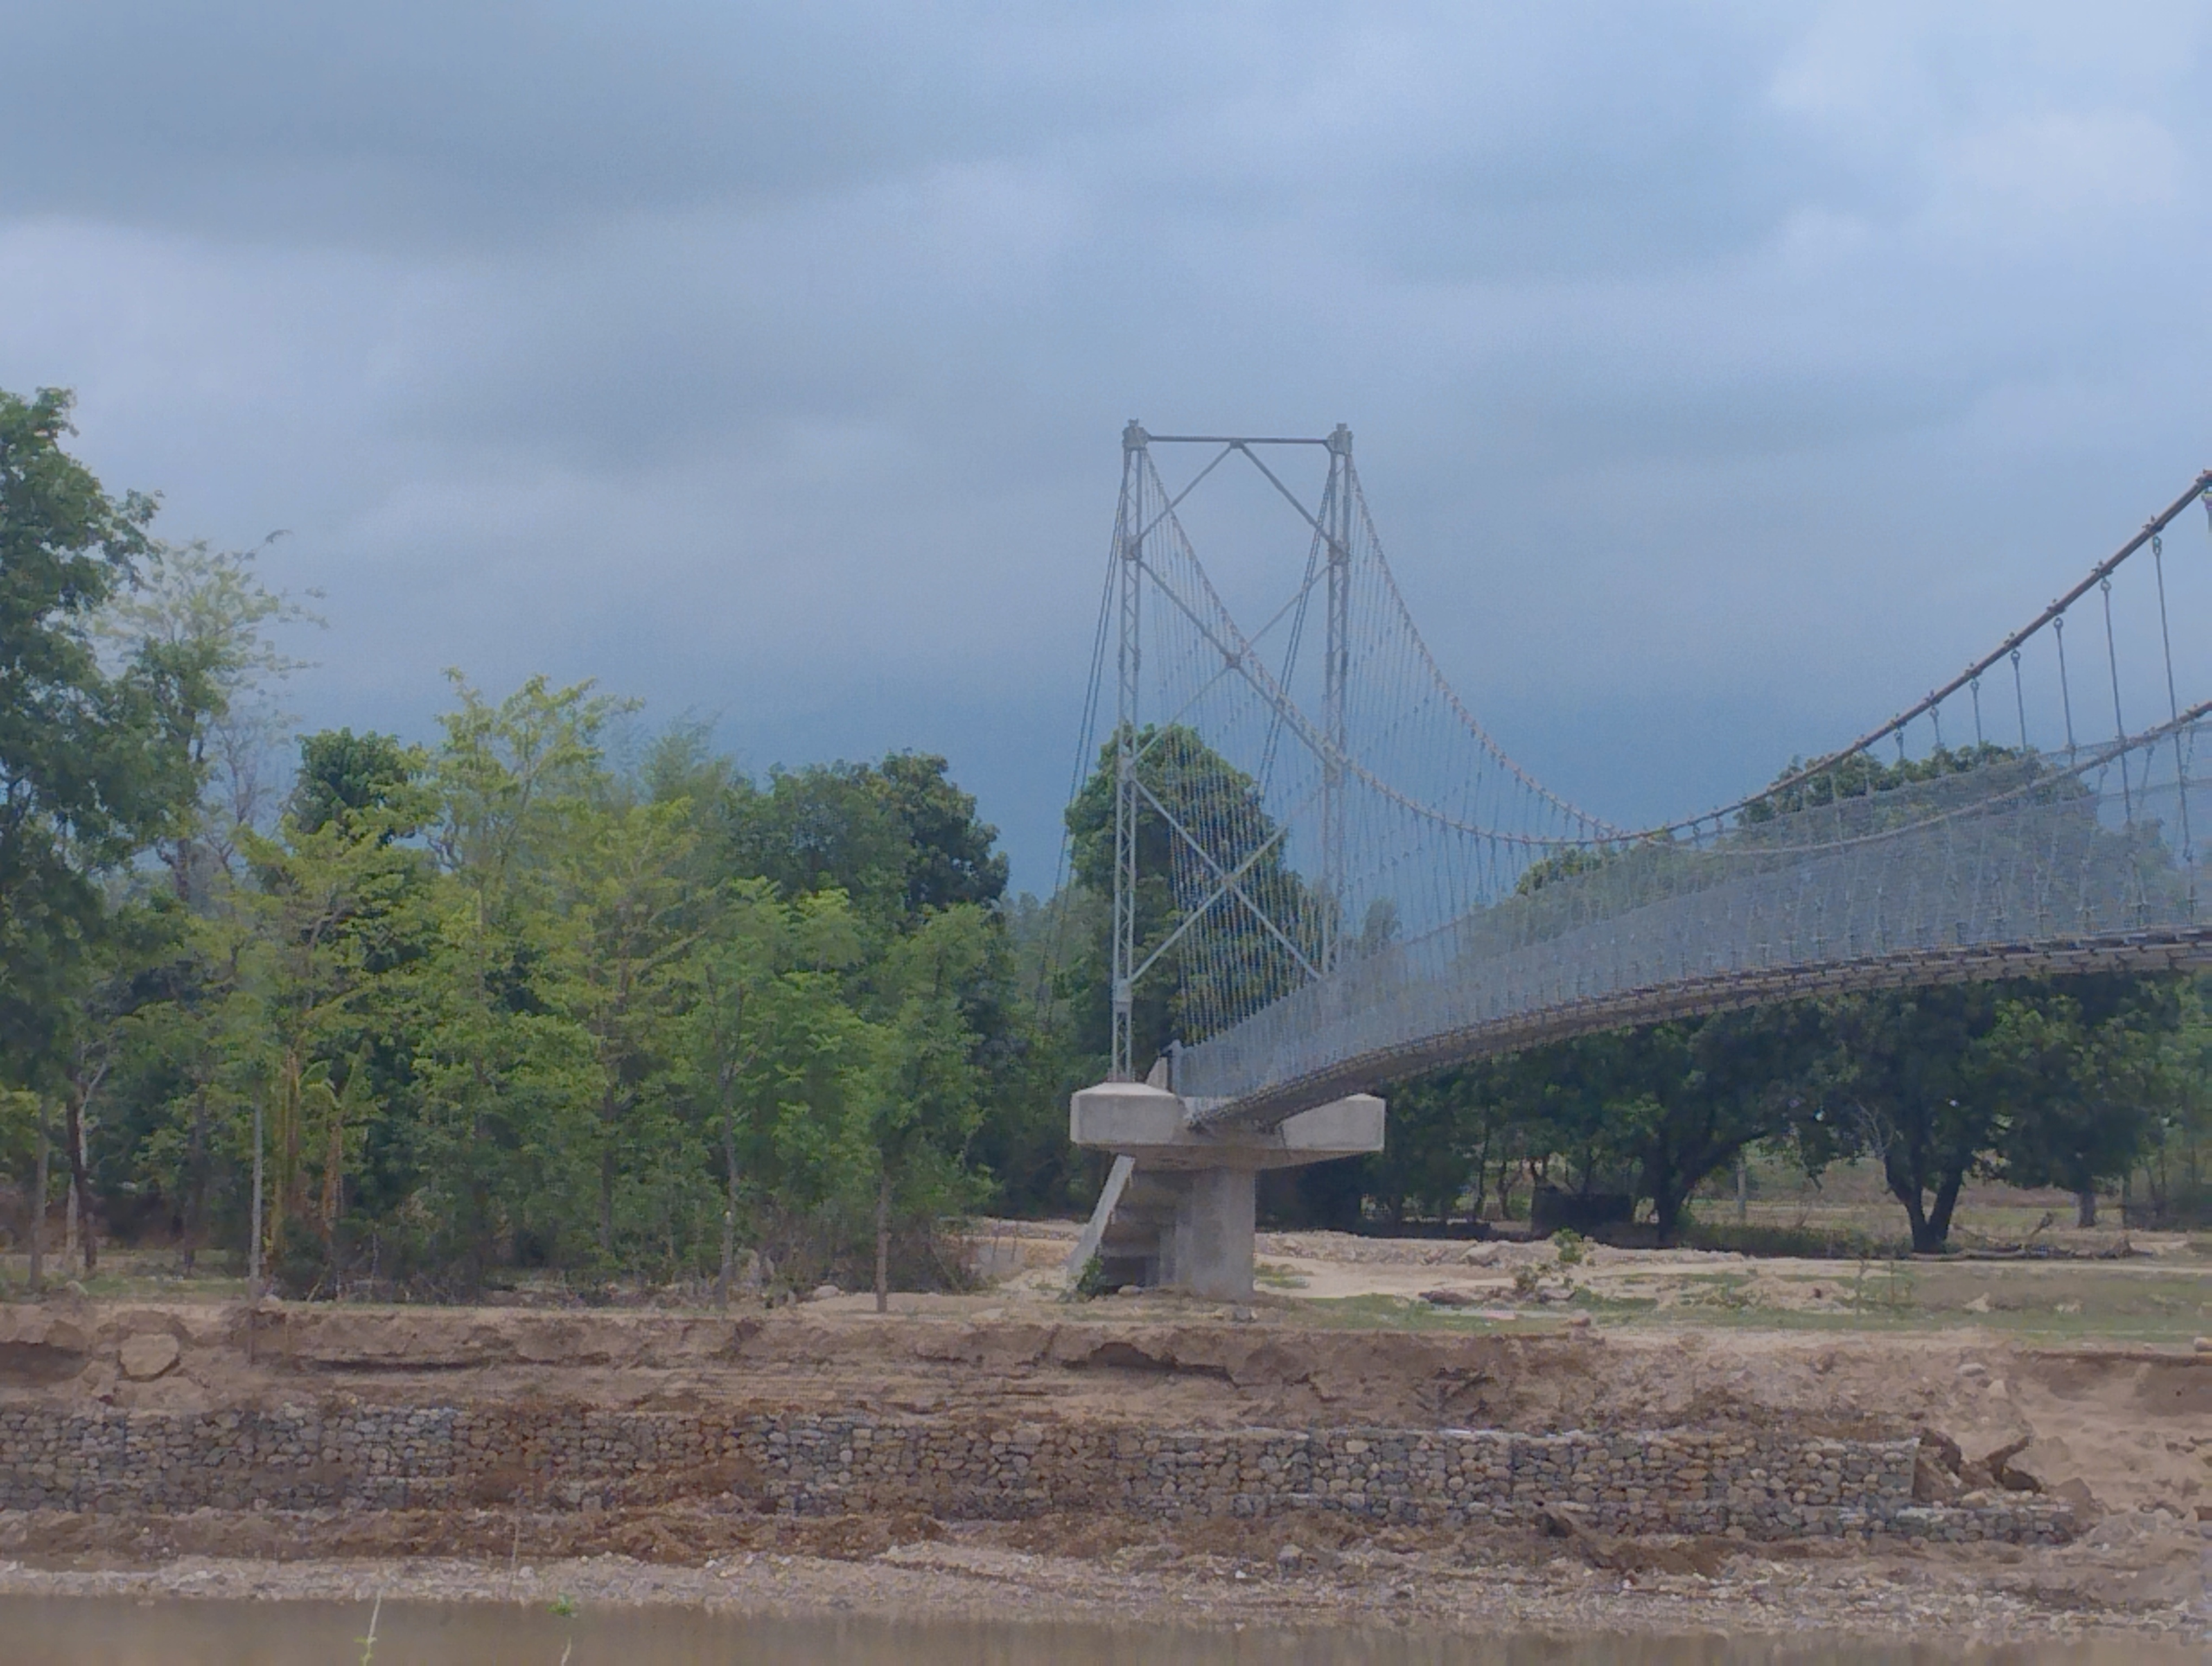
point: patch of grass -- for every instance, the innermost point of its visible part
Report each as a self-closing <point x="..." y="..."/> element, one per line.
<point x="1730" y="1293"/>
<point x="2053" y="1330"/>
<point x="1393" y="1313"/>
<point x="1887" y="1287"/>
<point x="1276" y="1276"/>
<point x="1809" y="1243"/>
<point x="1587" y="1300"/>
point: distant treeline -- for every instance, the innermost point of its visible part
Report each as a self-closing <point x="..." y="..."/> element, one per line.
<point x="557" y="992"/>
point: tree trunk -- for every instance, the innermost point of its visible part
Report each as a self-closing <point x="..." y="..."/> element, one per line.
<point x="2085" y="1204"/>
<point x="1929" y="1232"/>
<point x="80" y="1187"/>
<point x="729" y="1210"/>
<point x="1947" y="1201"/>
<point x="883" y="1242"/>
<point x="334" y="1175"/>
<point x="286" y="1138"/>
<point x="1907" y="1192"/>
<point x="607" y="1198"/>
<point x="1924" y="1241"/>
<point x="37" y="1221"/>
<point x="1663" y="1180"/>
<point x="253" y="1246"/>
<point x="196" y="1181"/>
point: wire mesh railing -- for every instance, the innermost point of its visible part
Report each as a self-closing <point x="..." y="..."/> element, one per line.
<point x="2026" y="864"/>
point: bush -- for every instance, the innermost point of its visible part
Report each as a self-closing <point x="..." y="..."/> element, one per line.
<point x="1091" y="1282"/>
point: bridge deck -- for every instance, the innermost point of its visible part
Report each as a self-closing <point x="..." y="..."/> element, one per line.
<point x="2183" y="949"/>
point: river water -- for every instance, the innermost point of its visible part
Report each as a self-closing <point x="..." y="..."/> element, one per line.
<point x="94" y="1632"/>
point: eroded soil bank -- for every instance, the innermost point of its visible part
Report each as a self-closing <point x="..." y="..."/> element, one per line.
<point x="2134" y="1576"/>
<point x="2128" y="1432"/>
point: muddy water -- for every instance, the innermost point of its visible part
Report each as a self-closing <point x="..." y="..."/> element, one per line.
<point x="80" y="1632"/>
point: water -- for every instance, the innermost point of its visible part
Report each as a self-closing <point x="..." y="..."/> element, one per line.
<point x="93" y="1632"/>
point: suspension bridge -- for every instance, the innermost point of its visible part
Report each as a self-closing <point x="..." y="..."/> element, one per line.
<point x="1328" y="876"/>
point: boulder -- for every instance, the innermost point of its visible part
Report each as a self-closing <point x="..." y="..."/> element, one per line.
<point x="2078" y="1497"/>
<point x="2003" y="1472"/>
<point x="1935" y="1469"/>
<point x="1931" y="1482"/>
<point x="143" y="1357"/>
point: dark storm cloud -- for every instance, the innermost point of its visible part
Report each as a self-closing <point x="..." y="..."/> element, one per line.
<point x="485" y="125"/>
<point x="1721" y="373"/>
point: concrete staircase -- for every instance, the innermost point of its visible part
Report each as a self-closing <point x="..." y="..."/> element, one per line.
<point x="1135" y="1244"/>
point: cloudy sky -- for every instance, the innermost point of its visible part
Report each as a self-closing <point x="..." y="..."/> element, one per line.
<point x="1723" y="375"/>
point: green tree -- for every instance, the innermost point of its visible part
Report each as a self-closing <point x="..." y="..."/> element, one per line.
<point x="950" y="854"/>
<point x="315" y="934"/>
<point x="90" y="769"/>
<point x="1907" y="1083"/>
<point x="829" y="827"/>
<point x="764" y="963"/>
<point x="1696" y="1093"/>
<point x="2083" y="1072"/>
<point x="204" y="617"/>
<point x="342" y="772"/>
<point x="628" y="919"/>
<point x="1434" y="1152"/>
<point x="509" y="1079"/>
<point x="927" y="1096"/>
<point x="1187" y="995"/>
<point x="1864" y="775"/>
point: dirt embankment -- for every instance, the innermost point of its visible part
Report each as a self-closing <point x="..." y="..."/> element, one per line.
<point x="2134" y="1427"/>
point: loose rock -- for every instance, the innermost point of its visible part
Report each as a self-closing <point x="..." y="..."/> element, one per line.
<point x="146" y="1357"/>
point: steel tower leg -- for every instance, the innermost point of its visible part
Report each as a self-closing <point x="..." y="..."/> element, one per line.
<point x="1129" y="537"/>
<point x="1336" y="666"/>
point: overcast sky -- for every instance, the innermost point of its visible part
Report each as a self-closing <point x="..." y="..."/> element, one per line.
<point x="1723" y="376"/>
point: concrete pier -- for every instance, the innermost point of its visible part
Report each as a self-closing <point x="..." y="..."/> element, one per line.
<point x="1178" y="1209"/>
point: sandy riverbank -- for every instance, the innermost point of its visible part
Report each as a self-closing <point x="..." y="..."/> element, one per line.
<point x="2136" y="1577"/>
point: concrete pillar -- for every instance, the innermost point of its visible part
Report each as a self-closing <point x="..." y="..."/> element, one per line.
<point x="1211" y="1250"/>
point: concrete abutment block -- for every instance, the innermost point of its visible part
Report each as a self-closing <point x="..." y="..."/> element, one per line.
<point x="1177" y="1210"/>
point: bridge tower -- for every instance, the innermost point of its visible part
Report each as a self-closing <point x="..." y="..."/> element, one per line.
<point x="1178" y="1207"/>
